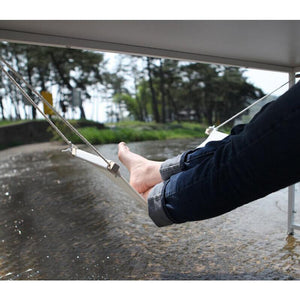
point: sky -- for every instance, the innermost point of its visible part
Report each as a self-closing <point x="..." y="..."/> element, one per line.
<point x="267" y="80"/>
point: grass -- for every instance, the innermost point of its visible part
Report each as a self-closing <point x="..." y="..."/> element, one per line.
<point x="127" y="131"/>
<point x="8" y="122"/>
<point x="15" y="122"/>
<point x="139" y="131"/>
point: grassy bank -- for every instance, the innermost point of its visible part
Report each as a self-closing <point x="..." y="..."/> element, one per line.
<point x="8" y="122"/>
<point x="28" y="132"/>
<point x="138" y="131"/>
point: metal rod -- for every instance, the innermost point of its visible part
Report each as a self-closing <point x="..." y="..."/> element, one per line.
<point x="254" y="103"/>
<point x="55" y="111"/>
<point x="36" y="106"/>
<point x="291" y="208"/>
<point x="296" y="226"/>
<point x="291" y="189"/>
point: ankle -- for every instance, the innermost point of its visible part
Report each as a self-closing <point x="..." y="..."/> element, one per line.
<point x="152" y="168"/>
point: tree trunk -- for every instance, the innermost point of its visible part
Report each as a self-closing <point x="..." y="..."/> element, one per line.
<point x="144" y="108"/>
<point x="60" y="72"/>
<point x="208" y="113"/>
<point x="174" y="106"/>
<point x="140" y="115"/>
<point x="82" y="113"/>
<point x="2" y="108"/>
<point x="162" y="90"/>
<point x="139" y="102"/>
<point x="66" y="82"/>
<point x="41" y="76"/>
<point x="154" y="99"/>
<point x="13" y="95"/>
<point x="33" y="109"/>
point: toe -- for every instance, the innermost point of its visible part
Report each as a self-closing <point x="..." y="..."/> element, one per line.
<point x="122" y="149"/>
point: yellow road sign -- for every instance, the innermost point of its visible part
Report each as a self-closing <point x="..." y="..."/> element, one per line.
<point x="49" y="99"/>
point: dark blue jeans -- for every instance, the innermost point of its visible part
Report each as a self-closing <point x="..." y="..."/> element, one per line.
<point x="253" y="161"/>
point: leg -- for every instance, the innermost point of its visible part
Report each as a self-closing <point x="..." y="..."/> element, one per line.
<point x="193" y="157"/>
<point x="261" y="159"/>
<point x="187" y="160"/>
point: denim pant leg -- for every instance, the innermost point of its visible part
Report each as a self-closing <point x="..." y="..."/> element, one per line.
<point x="193" y="157"/>
<point x="262" y="158"/>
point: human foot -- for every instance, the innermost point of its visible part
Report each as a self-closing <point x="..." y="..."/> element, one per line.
<point x="144" y="173"/>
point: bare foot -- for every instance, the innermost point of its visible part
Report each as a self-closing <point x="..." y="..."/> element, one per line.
<point x="144" y="173"/>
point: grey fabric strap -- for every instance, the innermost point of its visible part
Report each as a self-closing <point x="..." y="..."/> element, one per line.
<point x="155" y="207"/>
<point x="170" y="167"/>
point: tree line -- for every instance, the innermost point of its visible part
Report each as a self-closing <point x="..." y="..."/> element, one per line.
<point x="150" y="89"/>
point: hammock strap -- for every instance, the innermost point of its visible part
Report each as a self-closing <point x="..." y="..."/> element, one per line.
<point x="254" y="103"/>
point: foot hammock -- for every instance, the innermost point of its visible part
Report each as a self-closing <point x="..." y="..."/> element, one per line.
<point x="108" y="167"/>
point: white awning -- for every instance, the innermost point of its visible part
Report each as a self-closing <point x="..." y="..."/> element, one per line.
<point x="270" y="45"/>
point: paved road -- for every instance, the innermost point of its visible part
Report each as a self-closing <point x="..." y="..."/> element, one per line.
<point x="61" y="219"/>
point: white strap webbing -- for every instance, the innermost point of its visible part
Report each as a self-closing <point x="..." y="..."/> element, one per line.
<point x="215" y="135"/>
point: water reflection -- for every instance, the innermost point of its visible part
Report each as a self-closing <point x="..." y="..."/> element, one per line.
<point x="62" y="219"/>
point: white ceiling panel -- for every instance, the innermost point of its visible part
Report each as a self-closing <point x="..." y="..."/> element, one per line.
<point x="271" y="45"/>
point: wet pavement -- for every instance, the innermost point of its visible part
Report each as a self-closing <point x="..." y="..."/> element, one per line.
<point x="60" y="218"/>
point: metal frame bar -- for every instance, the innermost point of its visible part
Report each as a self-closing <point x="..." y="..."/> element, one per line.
<point x="117" y="178"/>
<point x="291" y="189"/>
<point x="77" y="43"/>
